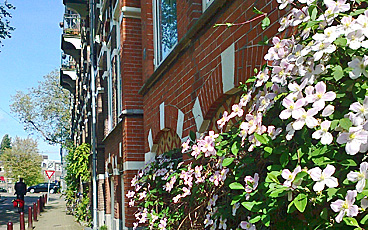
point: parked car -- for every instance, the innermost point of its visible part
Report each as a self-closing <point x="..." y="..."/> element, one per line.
<point x="3" y="190"/>
<point x="43" y="188"/>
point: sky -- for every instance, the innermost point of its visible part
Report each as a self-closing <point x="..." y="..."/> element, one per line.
<point x="32" y="52"/>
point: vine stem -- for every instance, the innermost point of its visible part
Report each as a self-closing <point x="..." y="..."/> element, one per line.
<point x="246" y="22"/>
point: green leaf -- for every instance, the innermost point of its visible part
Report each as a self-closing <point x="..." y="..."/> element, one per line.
<point x="268" y="150"/>
<point x="300" y="175"/>
<point x="272" y="177"/>
<point x="278" y="192"/>
<point x="340" y="41"/>
<point x="300" y="202"/>
<point x="351" y="221"/>
<point x="252" y="206"/>
<point x="284" y="159"/>
<point x="255" y="10"/>
<point x="251" y="79"/>
<point x="260" y="138"/>
<point x="357" y="12"/>
<point x="345" y="123"/>
<point x="227" y="161"/>
<point x="235" y="148"/>
<point x="236" y="186"/>
<point x="348" y="162"/>
<point x="192" y="135"/>
<point x="331" y="193"/>
<point x="337" y="73"/>
<point x="314" y="14"/>
<point x="255" y="219"/>
<point x="364" y="220"/>
<point x="324" y="214"/>
<point x="265" y="23"/>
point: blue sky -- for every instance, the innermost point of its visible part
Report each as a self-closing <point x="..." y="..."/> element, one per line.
<point x="32" y="52"/>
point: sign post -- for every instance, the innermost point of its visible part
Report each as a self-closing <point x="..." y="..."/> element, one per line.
<point x="49" y="174"/>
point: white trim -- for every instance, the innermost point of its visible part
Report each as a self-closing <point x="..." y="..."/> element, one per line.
<point x="101" y="176"/>
<point x="149" y="156"/>
<point x="180" y="124"/>
<point x="197" y="114"/>
<point x="133" y="165"/>
<point x="162" y="116"/>
<point x="227" y="69"/>
<point x="131" y="12"/>
<point x="150" y="139"/>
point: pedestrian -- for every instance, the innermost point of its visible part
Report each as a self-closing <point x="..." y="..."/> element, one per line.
<point x="20" y="189"/>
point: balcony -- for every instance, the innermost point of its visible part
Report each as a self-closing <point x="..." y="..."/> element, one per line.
<point x="81" y="6"/>
<point x="68" y="73"/>
<point x="71" y="39"/>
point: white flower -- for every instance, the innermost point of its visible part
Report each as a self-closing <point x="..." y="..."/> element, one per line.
<point x="262" y="77"/>
<point x="322" y="47"/>
<point x="323" y="134"/>
<point x="291" y="107"/>
<point x="289" y="177"/>
<point x="345" y="207"/>
<point x="358" y="64"/>
<point x="328" y="110"/>
<point x="323" y="178"/>
<point x="321" y="96"/>
<point x="305" y="117"/>
<point x="355" y="38"/>
<point x="359" y="177"/>
<point x="235" y="207"/>
<point x="361" y="111"/>
<point x="353" y="139"/>
<point x="246" y="225"/>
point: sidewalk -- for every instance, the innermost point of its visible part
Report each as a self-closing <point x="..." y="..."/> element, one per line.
<point x="54" y="216"/>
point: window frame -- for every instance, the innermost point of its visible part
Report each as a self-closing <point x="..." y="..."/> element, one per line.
<point x="156" y="34"/>
<point x="206" y="4"/>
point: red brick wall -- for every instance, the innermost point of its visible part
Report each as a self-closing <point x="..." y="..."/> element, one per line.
<point x="197" y="71"/>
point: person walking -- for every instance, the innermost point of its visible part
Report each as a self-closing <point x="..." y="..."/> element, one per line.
<point x="20" y="189"/>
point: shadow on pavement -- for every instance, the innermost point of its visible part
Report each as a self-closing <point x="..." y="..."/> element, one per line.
<point x="9" y="214"/>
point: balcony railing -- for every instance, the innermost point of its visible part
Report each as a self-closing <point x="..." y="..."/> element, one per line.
<point x="67" y="62"/>
<point x="72" y="24"/>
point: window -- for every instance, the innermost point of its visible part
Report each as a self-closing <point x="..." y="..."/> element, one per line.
<point x="206" y="4"/>
<point x="165" y="26"/>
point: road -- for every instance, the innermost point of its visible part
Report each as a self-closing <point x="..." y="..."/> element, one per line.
<point x="9" y="213"/>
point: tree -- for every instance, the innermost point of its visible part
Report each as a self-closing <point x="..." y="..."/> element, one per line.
<point x="45" y="109"/>
<point x="5" y="143"/>
<point x="5" y="28"/>
<point x="23" y="160"/>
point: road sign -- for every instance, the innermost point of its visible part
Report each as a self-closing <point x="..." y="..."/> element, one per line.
<point x="49" y="173"/>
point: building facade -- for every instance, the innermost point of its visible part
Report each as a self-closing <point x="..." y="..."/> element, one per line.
<point x="161" y="69"/>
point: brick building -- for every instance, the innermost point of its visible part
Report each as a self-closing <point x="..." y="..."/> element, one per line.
<point x="160" y="69"/>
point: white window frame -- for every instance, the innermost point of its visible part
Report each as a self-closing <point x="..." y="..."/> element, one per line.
<point x="109" y="90"/>
<point x="156" y="34"/>
<point x="206" y="4"/>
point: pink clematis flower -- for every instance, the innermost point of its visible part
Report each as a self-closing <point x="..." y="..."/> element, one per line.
<point x="323" y="134"/>
<point x="353" y="139"/>
<point x="359" y="177"/>
<point x="321" y="96"/>
<point x="345" y="207"/>
<point x="305" y="118"/>
<point x="290" y="176"/>
<point x="291" y="107"/>
<point x="323" y="178"/>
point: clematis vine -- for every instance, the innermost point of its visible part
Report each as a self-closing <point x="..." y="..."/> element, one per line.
<point x="323" y="178"/>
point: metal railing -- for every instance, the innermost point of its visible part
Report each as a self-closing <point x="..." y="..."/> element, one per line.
<point x="72" y="24"/>
<point x="67" y="61"/>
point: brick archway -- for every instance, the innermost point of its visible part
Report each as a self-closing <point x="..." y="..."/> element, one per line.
<point x="167" y="140"/>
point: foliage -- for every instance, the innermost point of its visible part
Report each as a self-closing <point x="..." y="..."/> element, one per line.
<point x="45" y="109"/>
<point x="23" y="160"/>
<point x="5" y="143"/>
<point x="77" y="172"/>
<point x="5" y="28"/>
<point x="306" y="167"/>
<point x="82" y="213"/>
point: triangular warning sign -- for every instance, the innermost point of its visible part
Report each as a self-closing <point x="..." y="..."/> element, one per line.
<point x="49" y="173"/>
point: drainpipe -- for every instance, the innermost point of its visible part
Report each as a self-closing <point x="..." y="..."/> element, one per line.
<point x="93" y="105"/>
